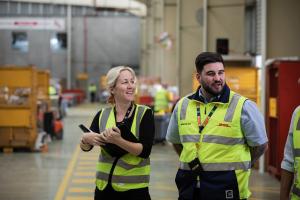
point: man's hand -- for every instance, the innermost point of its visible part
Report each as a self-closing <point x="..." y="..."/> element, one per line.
<point x="286" y="184"/>
<point x="178" y="148"/>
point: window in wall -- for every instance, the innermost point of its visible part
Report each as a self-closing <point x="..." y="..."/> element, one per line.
<point x="59" y="42"/>
<point x="20" y="41"/>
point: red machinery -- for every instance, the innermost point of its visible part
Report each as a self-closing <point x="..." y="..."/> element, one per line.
<point x="282" y="97"/>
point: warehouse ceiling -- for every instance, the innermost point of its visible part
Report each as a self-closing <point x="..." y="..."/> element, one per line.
<point x="135" y="7"/>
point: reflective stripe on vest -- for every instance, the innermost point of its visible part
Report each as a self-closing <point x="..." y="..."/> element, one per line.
<point x="212" y="139"/>
<point x="217" y="139"/>
<point x="184" y="106"/>
<point x="226" y="166"/>
<point x="123" y="179"/>
<point x="296" y="151"/>
<point x="189" y="138"/>
<point x="104" y="118"/>
<point x="121" y="163"/>
<point x="230" y="111"/>
<point x="139" y="116"/>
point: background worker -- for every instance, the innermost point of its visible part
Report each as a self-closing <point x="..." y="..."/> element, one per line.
<point x="52" y="90"/>
<point x="161" y="99"/>
<point x="92" y="90"/>
<point x="290" y="165"/>
<point x="218" y="135"/>
<point x="126" y="176"/>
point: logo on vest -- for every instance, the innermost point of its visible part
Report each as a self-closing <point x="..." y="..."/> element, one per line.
<point x="224" y="125"/>
<point x="229" y="194"/>
<point x="185" y="123"/>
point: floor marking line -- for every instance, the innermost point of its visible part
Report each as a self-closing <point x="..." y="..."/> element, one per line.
<point x="63" y="185"/>
<point x="82" y="180"/>
<point x="81" y="190"/>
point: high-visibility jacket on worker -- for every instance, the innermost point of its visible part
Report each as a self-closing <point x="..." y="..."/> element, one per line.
<point x="130" y="172"/>
<point x="296" y="150"/>
<point x="92" y="88"/>
<point x="220" y="147"/>
<point x="52" y="90"/>
<point x="161" y="100"/>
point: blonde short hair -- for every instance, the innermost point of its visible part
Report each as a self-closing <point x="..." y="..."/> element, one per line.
<point x="112" y="77"/>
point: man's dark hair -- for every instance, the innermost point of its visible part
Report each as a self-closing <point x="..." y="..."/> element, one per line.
<point x="206" y="58"/>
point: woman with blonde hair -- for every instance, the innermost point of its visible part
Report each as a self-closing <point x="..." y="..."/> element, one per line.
<point x="126" y="173"/>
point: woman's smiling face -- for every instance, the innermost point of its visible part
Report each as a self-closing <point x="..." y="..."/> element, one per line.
<point x="124" y="89"/>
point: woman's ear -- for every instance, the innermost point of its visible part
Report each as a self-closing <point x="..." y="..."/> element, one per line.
<point x="111" y="90"/>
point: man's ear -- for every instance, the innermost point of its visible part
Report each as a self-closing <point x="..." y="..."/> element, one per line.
<point x="198" y="76"/>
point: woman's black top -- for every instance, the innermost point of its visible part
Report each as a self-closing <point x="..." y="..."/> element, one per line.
<point x="147" y="130"/>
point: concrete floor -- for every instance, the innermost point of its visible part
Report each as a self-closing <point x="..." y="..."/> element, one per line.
<point x="66" y="173"/>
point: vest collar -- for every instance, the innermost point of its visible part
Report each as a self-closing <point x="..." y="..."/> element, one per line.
<point x="222" y="98"/>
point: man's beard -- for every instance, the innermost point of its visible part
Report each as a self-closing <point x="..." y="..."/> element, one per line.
<point x="210" y="90"/>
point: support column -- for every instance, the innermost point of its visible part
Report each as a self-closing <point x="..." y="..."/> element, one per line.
<point x="69" y="43"/>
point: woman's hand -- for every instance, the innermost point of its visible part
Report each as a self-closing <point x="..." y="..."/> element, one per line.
<point x="93" y="138"/>
<point x="112" y="135"/>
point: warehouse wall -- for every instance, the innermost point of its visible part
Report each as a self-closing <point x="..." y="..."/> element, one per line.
<point x="226" y="20"/>
<point x="38" y="54"/>
<point x="190" y="44"/>
<point x="170" y="55"/>
<point x="153" y="26"/>
<point x="283" y="28"/>
<point x="111" y="39"/>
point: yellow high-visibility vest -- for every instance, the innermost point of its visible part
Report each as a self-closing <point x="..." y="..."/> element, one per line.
<point x="131" y="172"/>
<point x="52" y="90"/>
<point x="92" y="88"/>
<point x="221" y="146"/>
<point x="161" y="101"/>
